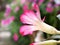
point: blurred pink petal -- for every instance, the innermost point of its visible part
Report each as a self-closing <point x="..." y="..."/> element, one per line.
<point x="26" y="29"/>
<point x="7" y="11"/>
<point x="49" y="9"/>
<point x="7" y="22"/>
<point x="15" y="37"/>
<point x="16" y="9"/>
<point x="49" y="5"/>
<point x="12" y="18"/>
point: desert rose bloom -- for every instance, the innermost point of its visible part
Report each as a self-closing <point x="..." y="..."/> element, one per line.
<point x="7" y="11"/>
<point x="7" y="22"/>
<point x="33" y="23"/>
<point x="15" y="37"/>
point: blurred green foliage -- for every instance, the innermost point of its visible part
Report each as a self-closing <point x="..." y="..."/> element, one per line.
<point x="1" y="15"/>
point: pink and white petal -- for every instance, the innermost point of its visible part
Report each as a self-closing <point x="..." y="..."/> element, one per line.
<point x="25" y="19"/>
<point x="27" y="32"/>
<point x="27" y="29"/>
<point x="35" y="7"/>
<point x="32" y="15"/>
<point x="7" y="22"/>
<point x="2" y="22"/>
<point x="10" y="20"/>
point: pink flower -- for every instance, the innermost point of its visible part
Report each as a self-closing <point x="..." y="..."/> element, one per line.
<point x="31" y="18"/>
<point x="33" y="22"/>
<point x="49" y="8"/>
<point x="7" y="11"/>
<point x="7" y="22"/>
<point x="16" y="9"/>
<point x="15" y="37"/>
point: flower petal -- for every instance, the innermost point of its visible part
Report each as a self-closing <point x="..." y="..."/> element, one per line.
<point x="49" y="9"/>
<point x="35" y="7"/>
<point x="28" y="17"/>
<point x="27" y="29"/>
<point x="7" y="11"/>
<point x="7" y="22"/>
<point x="32" y="15"/>
<point x="15" y="37"/>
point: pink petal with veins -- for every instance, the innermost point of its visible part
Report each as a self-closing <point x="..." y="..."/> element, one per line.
<point x="26" y="29"/>
<point x="36" y="8"/>
<point x="28" y="17"/>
